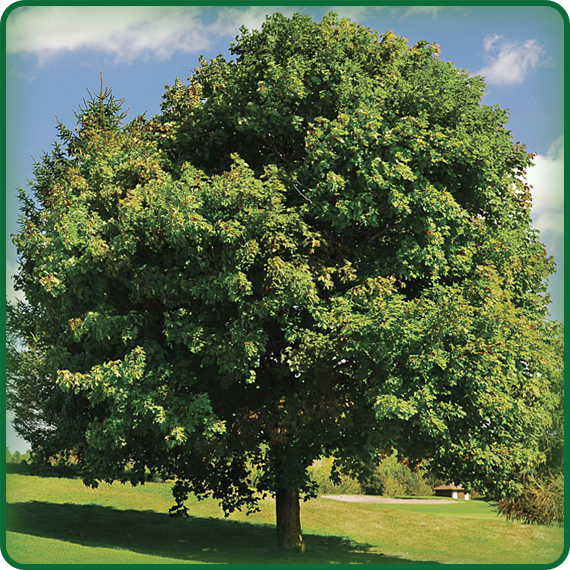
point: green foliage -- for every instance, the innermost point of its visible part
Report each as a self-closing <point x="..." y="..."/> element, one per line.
<point x="319" y="249"/>
<point x="320" y="473"/>
<point x="17" y="457"/>
<point x="394" y="478"/>
<point x="24" y="392"/>
<point x="541" y="501"/>
<point x="391" y="478"/>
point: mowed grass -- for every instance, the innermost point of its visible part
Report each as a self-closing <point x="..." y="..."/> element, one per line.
<point x="60" y="521"/>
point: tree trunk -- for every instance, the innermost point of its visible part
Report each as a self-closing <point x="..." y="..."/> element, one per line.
<point x="289" y="535"/>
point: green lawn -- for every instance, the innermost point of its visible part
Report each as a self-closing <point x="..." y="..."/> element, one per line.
<point x="53" y="520"/>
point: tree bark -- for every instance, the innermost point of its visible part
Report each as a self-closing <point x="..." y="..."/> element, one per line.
<point x="289" y="535"/>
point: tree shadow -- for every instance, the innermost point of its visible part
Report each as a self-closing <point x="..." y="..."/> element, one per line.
<point x="196" y="539"/>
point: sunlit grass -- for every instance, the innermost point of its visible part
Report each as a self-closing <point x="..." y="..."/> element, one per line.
<point x="61" y="521"/>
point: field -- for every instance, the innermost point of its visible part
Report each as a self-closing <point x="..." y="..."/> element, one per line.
<point x="51" y="520"/>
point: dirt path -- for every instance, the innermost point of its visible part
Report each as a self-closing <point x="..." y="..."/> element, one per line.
<point x="388" y="500"/>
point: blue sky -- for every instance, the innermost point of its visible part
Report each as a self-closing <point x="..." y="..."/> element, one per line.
<point x="54" y="53"/>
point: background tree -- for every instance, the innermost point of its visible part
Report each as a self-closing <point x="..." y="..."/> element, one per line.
<point x="321" y="248"/>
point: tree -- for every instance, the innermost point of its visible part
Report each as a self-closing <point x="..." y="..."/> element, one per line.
<point x="321" y="248"/>
<point x="24" y="393"/>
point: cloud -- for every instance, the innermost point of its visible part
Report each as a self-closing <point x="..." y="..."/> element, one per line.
<point x="128" y="33"/>
<point x="229" y="20"/>
<point x="355" y="13"/>
<point x="432" y="11"/>
<point x="547" y="180"/>
<point x="124" y="32"/>
<point x="509" y="62"/>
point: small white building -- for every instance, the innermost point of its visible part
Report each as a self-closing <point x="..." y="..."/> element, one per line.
<point x="453" y="491"/>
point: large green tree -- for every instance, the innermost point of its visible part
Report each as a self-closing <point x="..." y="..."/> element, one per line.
<point x="322" y="247"/>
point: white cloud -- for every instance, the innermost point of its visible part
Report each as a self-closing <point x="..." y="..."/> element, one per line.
<point x="229" y="20"/>
<point x="509" y="62"/>
<point x="432" y="11"/>
<point x="11" y="294"/>
<point x="124" y="32"/>
<point x="355" y="13"/>
<point x="127" y="33"/>
<point x="547" y="180"/>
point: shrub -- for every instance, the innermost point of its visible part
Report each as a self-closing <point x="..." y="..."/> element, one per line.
<point x="541" y="501"/>
<point x="390" y="478"/>
<point x="320" y="473"/>
<point x="395" y="478"/>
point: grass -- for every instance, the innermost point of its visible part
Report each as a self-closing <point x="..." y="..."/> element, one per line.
<point x="51" y="520"/>
<point x="475" y="509"/>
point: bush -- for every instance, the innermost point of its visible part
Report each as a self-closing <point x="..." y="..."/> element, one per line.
<point x="320" y="473"/>
<point x="541" y="501"/>
<point x="391" y="478"/>
<point x="394" y="478"/>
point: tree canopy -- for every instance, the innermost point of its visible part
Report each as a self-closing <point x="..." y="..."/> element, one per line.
<point x="320" y="247"/>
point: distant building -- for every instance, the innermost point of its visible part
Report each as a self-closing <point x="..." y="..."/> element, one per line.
<point x="453" y="491"/>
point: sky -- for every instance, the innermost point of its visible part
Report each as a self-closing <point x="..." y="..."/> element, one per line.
<point x="56" y="53"/>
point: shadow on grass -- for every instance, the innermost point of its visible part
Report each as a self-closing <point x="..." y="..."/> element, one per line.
<point x="210" y="540"/>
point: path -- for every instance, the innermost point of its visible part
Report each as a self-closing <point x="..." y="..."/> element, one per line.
<point x="388" y="500"/>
